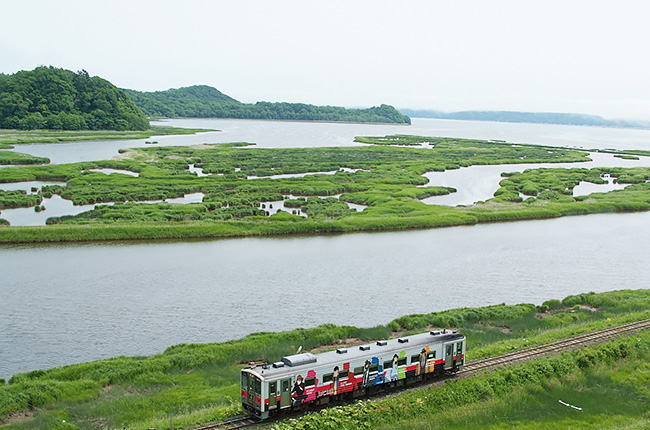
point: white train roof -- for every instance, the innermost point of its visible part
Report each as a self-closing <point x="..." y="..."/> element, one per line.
<point x="302" y="363"/>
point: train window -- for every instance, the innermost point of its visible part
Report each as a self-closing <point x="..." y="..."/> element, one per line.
<point x="449" y="349"/>
<point x="388" y="364"/>
<point x="244" y="381"/>
<point x="431" y="355"/>
<point x="373" y="367"/>
<point x="415" y="358"/>
<point x="401" y="361"/>
<point x="344" y="374"/>
<point x="358" y="370"/>
<point x="285" y="386"/>
<point x="310" y="382"/>
<point x="327" y="378"/>
<point x="258" y="386"/>
<point x="460" y="348"/>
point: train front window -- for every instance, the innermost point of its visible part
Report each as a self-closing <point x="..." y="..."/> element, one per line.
<point x="258" y="387"/>
<point x="244" y="381"/>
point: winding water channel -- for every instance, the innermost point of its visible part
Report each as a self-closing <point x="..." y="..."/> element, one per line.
<point x="63" y="304"/>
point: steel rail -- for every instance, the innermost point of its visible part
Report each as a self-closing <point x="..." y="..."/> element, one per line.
<point x="560" y="345"/>
<point x="568" y="344"/>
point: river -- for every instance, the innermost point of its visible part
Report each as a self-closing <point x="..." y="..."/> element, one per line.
<point x="65" y="304"/>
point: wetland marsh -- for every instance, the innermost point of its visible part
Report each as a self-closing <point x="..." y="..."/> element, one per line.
<point x="68" y="303"/>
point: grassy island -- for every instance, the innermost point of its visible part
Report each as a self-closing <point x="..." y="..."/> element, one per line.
<point x="191" y="385"/>
<point x="237" y="179"/>
<point x="9" y="138"/>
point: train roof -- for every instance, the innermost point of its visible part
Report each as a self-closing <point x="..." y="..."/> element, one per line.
<point x="298" y="363"/>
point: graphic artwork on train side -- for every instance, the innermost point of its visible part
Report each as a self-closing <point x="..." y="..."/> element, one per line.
<point x="349" y="373"/>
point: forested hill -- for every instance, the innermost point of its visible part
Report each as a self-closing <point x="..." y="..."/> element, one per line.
<point x="59" y="99"/>
<point x="202" y="101"/>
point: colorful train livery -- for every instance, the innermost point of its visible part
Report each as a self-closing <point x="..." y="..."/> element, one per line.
<point x="349" y="372"/>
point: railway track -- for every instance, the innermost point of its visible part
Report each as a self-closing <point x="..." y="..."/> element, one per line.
<point x="238" y="422"/>
<point x="490" y="363"/>
<point x="556" y="347"/>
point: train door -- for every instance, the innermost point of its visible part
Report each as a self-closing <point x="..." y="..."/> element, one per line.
<point x="251" y="389"/>
<point x="285" y="393"/>
<point x="273" y="394"/>
<point x="449" y="355"/>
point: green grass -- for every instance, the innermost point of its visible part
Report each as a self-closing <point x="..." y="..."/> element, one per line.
<point x="388" y="181"/>
<point x="18" y="198"/>
<point x="609" y="382"/>
<point x="18" y="158"/>
<point x="189" y="385"/>
<point x="606" y="399"/>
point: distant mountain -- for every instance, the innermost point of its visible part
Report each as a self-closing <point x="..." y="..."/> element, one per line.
<point x="530" y="117"/>
<point x="202" y="101"/>
<point x="59" y="99"/>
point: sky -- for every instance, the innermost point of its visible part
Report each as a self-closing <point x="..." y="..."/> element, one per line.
<point x="540" y="56"/>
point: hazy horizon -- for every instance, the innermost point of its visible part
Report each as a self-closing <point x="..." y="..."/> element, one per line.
<point x="503" y="55"/>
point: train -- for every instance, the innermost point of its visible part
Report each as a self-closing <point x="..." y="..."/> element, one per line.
<point x="347" y="373"/>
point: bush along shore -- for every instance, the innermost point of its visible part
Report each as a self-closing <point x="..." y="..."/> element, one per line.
<point x="192" y="384"/>
<point x="384" y="177"/>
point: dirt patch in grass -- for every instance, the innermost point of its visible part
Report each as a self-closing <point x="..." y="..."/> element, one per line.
<point x="18" y="417"/>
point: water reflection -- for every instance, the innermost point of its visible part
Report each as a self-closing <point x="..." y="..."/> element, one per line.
<point x="111" y="171"/>
<point x="31" y="187"/>
<point x="479" y="183"/>
<point x="56" y="206"/>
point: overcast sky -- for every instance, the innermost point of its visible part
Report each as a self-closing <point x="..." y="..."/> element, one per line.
<point x="543" y="56"/>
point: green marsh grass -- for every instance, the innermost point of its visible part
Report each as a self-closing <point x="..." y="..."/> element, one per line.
<point x="609" y="381"/>
<point x="389" y="183"/>
<point x="18" y="158"/>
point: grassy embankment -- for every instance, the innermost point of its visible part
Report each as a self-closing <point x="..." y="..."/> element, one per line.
<point x="9" y="138"/>
<point x="189" y="385"/>
<point x="388" y="180"/>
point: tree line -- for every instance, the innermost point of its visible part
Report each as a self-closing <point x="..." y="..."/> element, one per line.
<point x="59" y="99"/>
<point x="202" y="101"/>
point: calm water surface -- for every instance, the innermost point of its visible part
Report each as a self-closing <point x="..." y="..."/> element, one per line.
<point x="65" y="304"/>
<point x="70" y="303"/>
<point x="286" y="134"/>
